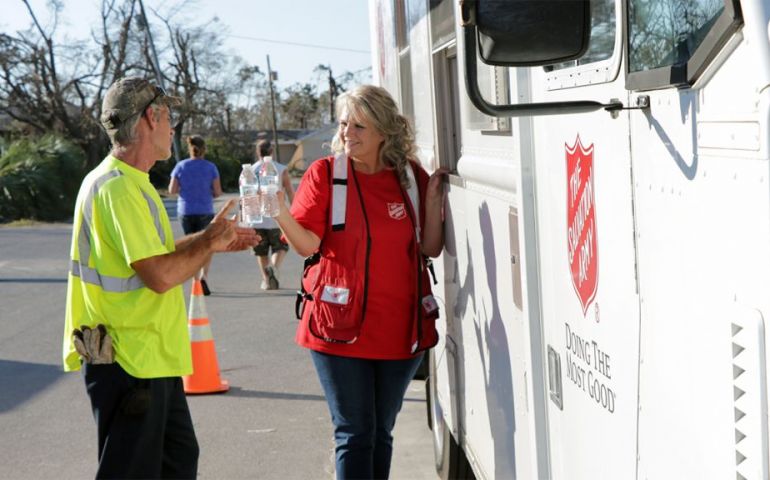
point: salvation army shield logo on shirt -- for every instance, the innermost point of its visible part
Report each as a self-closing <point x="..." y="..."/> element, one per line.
<point x="581" y="222"/>
<point x="397" y="211"/>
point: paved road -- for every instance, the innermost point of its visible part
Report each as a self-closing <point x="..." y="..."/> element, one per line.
<point x="272" y="424"/>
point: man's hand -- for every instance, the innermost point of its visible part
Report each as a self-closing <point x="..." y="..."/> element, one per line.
<point x="163" y="272"/>
<point x="226" y="236"/>
<point x="247" y="238"/>
<point x="94" y="345"/>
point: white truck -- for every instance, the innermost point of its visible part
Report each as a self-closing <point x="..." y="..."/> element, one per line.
<point x="606" y="276"/>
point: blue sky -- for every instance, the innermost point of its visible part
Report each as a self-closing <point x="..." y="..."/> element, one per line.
<point x="342" y="24"/>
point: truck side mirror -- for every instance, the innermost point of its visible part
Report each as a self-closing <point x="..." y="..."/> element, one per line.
<point x="526" y="33"/>
<point x="529" y="32"/>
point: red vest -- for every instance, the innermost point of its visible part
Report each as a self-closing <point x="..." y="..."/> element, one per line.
<point x="335" y="280"/>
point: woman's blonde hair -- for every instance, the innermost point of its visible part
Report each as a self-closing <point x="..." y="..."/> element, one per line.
<point x="196" y="145"/>
<point x="376" y="107"/>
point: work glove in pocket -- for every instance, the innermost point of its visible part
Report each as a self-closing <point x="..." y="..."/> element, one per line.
<point x="94" y="345"/>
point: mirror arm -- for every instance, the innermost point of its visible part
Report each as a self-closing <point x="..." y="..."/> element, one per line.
<point x="523" y="109"/>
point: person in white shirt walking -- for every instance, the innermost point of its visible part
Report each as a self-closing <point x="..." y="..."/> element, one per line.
<point x="272" y="249"/>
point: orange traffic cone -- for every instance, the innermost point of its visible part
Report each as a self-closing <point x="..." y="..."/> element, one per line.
<point x="205" y="376"/>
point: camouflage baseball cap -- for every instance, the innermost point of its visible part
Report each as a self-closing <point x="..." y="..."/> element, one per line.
<point x="130" y="96"/>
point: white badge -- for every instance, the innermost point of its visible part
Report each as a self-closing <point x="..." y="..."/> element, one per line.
<point x="338" y="295"/>
<point x="429" y="304"/>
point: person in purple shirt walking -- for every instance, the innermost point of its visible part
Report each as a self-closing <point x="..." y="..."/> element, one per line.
<point x="196" y="180"/>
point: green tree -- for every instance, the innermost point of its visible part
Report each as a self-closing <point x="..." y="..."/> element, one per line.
<point x="41" y="94"/>
<point x="50" y="87"/>
<point x="40" y="178"/>
<point x="299" y="108"/>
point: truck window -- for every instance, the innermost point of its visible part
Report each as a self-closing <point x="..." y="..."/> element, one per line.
<point x="494" y="86"/>
<point x="671" y="41"/>
<point x="493" y="83"/>
<point x="403" y="27"/>
<point x="446" y="85"/>
<point x="447" y="107"/>
<point x="442" y="22"/>
<point x="665" y="33"/>
<point x="602" y="41"/>
<point x="601" y="62"/>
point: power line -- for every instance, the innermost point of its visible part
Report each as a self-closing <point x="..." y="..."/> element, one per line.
<point x="362" y="70"/>
<point x="296" y="44"/>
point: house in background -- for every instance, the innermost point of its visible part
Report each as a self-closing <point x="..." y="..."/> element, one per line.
<point x="310" y="147"/>
<point x="286" y="144"/>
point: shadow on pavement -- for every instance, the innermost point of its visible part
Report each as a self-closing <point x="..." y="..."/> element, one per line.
<point x="28" y="380"/>
<point x="241" y="392"/>
<point x="267" y="293"/>
<point x="33" y="280"/>
<point x="244" y="393"/>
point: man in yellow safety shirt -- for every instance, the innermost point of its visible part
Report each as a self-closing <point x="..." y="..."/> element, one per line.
<point x="125" y="317"/>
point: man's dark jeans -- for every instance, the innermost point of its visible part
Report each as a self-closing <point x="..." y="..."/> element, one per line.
<point x="144" y="425"/>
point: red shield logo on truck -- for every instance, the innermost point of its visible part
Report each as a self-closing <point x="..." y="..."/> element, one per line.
<point x="581" y="222"/>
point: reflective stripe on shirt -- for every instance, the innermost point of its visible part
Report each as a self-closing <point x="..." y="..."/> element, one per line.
<point x="79" y="268"/>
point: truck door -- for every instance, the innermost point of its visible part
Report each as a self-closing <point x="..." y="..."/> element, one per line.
<point x="587" y="259"/>
<point x="697" y="163"/>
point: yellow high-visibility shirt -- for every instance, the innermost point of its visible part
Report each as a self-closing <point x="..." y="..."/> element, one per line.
<point x="119" y="219"/>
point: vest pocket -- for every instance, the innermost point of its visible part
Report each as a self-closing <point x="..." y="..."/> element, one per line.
<point x="424" y="334"/>
<point x="336" y="311"/>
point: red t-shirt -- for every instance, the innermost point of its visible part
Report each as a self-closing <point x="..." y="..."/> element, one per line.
<point x="385" y="333"/>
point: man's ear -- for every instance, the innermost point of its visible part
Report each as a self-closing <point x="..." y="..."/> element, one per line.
<point x="151" y="116"/>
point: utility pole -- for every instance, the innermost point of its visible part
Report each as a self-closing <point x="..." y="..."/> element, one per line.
<point x="332" y="94"/>
<point x="333" y="88"/>
<point x="276" y="150"/>
<point x="144" y="24"/>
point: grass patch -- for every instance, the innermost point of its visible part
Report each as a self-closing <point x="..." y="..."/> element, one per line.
<point x="22" y="222"/>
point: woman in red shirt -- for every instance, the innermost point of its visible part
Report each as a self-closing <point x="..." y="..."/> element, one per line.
<point x="368" y="314"/>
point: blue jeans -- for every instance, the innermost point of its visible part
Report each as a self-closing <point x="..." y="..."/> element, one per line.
<point x="364" y="398"/>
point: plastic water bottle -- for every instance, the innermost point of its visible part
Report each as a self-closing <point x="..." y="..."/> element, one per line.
<point x="269" y="183"/>
<point x="251" y="212"/>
